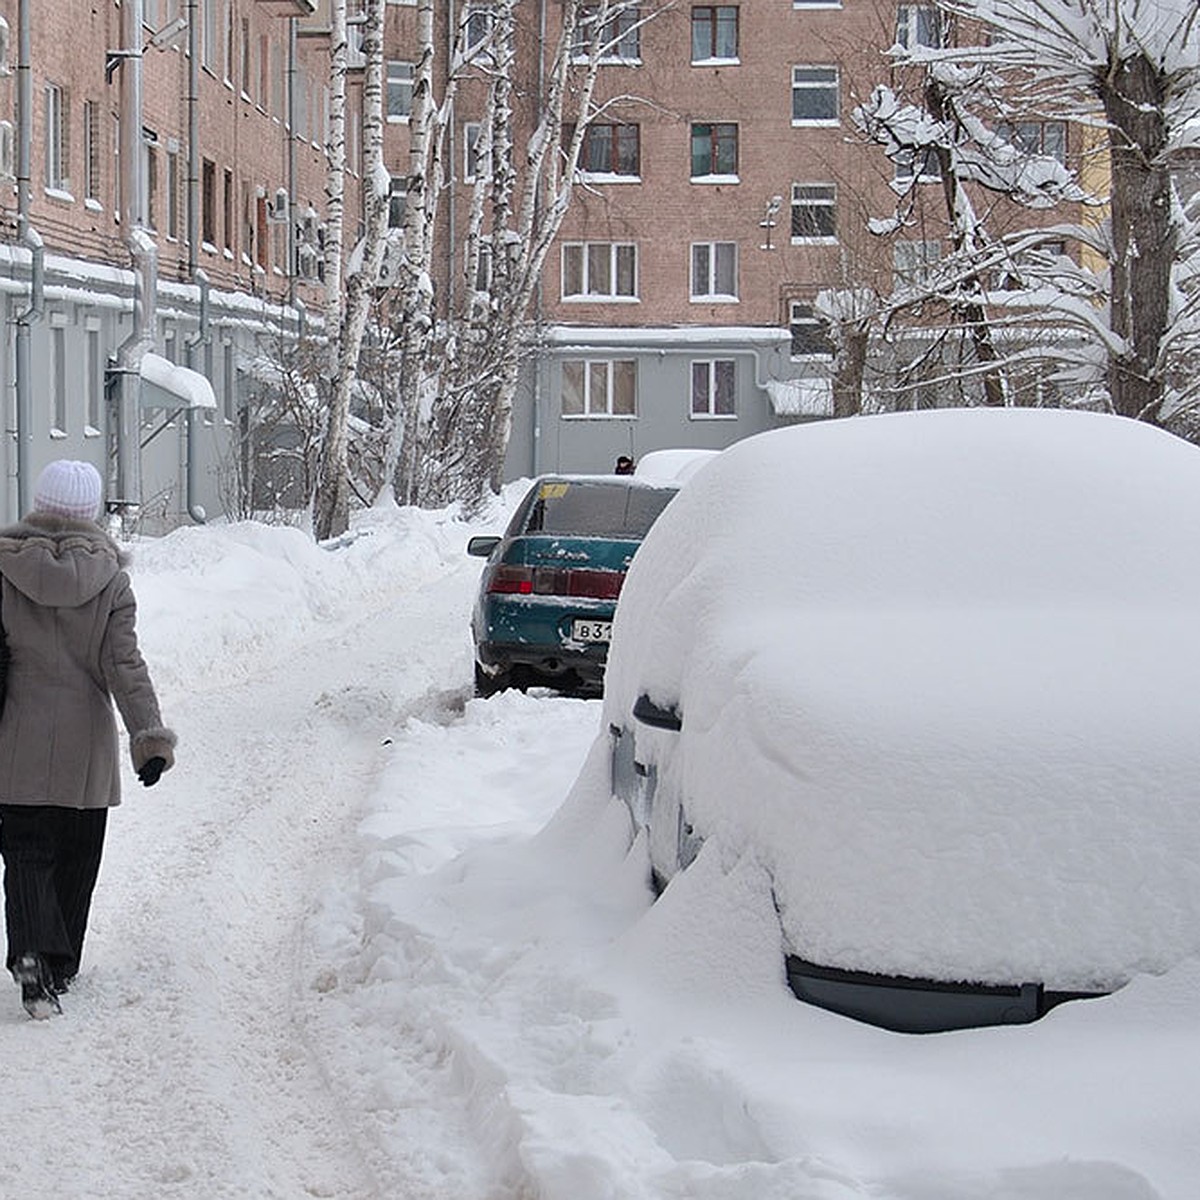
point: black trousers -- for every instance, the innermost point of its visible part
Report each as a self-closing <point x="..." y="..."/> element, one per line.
<point x="51" y="860"/>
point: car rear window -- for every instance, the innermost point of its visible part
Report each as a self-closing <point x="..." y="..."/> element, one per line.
<point x="618" y="510"/>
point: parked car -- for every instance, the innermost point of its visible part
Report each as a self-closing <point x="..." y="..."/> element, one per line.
<point x="547" y="595"/>
<point x="936" y="674"/>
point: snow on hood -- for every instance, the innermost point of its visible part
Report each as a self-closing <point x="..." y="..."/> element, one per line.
<point x="937" y="671"/>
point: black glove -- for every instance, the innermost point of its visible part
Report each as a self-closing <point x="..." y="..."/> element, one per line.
<point x="152" y="770"/>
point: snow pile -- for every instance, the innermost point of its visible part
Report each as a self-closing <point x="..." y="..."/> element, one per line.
<point x="945" y="693"/>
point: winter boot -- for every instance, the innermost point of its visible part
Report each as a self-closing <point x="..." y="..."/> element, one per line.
<point x="39" y="1000"/>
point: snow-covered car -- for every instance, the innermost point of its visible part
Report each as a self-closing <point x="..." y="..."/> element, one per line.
<point x="544" y="610"/>
<point x="938" y="673"/>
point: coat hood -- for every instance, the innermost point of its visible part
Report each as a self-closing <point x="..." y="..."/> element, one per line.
<point x="58" y="561"/>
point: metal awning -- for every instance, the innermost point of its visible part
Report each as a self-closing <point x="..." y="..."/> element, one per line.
<point x="168" y="385"/>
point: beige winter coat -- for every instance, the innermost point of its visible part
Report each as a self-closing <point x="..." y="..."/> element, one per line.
<point x="68" y="616"/>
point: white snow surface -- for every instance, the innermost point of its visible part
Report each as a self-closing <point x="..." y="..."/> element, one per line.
<point x="374" y="938"/>
<point x="947" y="696"/>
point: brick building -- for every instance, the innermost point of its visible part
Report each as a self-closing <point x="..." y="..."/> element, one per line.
<point x="229" y="175"/>
<point x="723" y="188"/>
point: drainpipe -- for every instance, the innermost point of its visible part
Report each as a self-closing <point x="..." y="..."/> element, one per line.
<point x="127" y="491"/>
<point x="31" y="240"/>
<point x="292" y="244"/>
<point x="193" y="157"/>
<point x="191" y="467"/>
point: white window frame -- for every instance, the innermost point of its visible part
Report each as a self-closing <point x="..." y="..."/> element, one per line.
<point x="589" y="255"/>
<point x="919" y="25"/>
<point x="60" y="391"/>
<point x="472" y="132"/>
<point x="814" y="196"/>
<point x="478" y="22"/>
<point x="599" y="386"/>
<point x="91" y="153"/>
<point x="904" y="163"/>
<point x="802" y="312"/>
<point x="919" y="256"/>
<point x="620" y="51"/>
<point x="707" y="262"/>
<point x="715" y="59"/>
<point x="711" y="370"/>
<point x="401" y="77"/>
<point x="55" y="160"/>
<point x="830" y="80"/>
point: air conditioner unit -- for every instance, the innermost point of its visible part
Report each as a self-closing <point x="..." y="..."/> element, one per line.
<point x="7" y="150"/>
<point x="277" y="210"/>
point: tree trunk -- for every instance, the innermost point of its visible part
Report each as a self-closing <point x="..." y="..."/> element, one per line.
<point x="331" y="513"/>
<point x="331" y="498"/>
<point x="1144" y="235"/>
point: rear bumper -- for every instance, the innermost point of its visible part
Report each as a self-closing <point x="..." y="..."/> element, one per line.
<point x="552" y="661"/>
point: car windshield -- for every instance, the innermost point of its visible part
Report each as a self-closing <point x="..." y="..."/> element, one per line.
<point x="594" y="509"/>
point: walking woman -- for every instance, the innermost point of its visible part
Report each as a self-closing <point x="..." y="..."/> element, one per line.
<point x="68" y="648"/>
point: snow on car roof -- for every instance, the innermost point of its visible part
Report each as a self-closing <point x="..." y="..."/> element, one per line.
<point x="938" y="671"/>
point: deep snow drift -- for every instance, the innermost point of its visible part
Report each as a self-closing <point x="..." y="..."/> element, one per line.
<point x="374" y="938"/>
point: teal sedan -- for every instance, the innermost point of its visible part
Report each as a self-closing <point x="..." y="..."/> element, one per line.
<point x="547" y="595"/>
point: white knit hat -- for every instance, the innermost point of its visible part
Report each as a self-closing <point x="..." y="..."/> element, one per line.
<point x="68" y="489"/>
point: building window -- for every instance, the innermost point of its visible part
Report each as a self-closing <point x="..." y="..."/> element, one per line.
<point x="715" y="150"/>
<point x="149" y="141"/>
<point x="116" y="160"/>
<point x="599" y="387"/>
<point x="810" y="336"/>
<point x="400" y="90"/>
<point x="227" y="207"/>
<point x="208" y="203"/>
<point x="918" y="25"/>
<point x="924" y="163"/>
<point x="172" y="193"/>
<point x="478" y="22"/>
<point x="599" y="271"/>
<point x="1048" y="138"/>
<point x="618" y="39"/>
<point x="208" y="34"/>
<point x="56" y="139"/>
<point x="471" y="133"/>
<point x="264" y="72"/>
<point x="611" y="149"/>
<point x="714" y="392"/>
<point x="230" y="45"/>
<point x="397" y="201"/>
<point x="815" y="95"/>
<point x="91" y="150"/>
<point x="914" y="260"/>
<point x="247" y="71"/>
<point x="58" y="351"/>
<point x="714" y="33"/>
<point x="714" y="271"/>
<point x="814" y="212"/>
<point x="95" y="382"/>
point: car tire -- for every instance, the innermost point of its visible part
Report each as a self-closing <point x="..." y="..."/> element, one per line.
<point x="488" y="685"/>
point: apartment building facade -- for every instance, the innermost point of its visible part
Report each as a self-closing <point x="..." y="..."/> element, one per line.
<point x="722" y="189"/>
<point x="225" y="108"/>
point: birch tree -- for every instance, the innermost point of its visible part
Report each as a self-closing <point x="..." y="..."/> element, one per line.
<point x="1130" y="70"/>
<point x="457" y="406"/>
<point x="331" y="509"/>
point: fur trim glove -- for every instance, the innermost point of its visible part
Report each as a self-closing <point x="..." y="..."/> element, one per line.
<point x="153" y="743"/>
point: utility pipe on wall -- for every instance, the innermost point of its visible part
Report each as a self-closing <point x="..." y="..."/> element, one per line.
<point x="126" y="486"/>
<point x="31" y="240"/>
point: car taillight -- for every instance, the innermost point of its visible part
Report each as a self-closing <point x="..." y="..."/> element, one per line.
<point x="512" y="579"/>
<point x="584" y="582"/>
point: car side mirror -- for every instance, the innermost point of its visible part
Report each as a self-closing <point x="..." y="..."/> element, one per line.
<point x="481" y="547"/>
<point x="649" y="713"/>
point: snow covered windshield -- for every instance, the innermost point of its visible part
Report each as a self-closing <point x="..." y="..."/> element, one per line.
<point x="591" y="508"/>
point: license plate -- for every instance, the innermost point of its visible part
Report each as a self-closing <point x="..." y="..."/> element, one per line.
<point x="591" y="631"/>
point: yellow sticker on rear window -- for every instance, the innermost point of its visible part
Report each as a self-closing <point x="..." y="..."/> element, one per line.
<point x="552" y="491"/>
